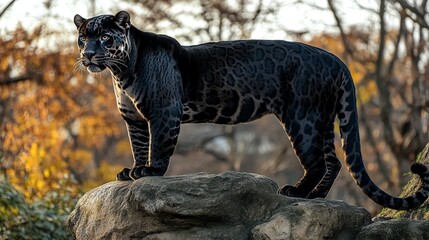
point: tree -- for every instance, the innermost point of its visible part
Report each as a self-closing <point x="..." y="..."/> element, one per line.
<point x="392" y="82"/>
<point x="212" y="20"/>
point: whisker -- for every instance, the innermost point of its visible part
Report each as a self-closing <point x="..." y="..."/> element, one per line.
<point x="112" y="64"/>
<point x="78" y="65"/>
<point x="118" y="61"/>
<point x="127" y="54"/>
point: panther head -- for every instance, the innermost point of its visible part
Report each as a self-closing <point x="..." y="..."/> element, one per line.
<point x="103" y="41"/>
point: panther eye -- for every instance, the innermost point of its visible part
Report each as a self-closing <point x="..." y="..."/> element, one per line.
<point x="104" y="37"/>
<point x="82" y="38"/>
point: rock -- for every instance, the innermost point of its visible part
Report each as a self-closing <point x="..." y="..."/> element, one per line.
<point x="410" y="225"/>
<point x="316" y="219"/>
<point x="420" y="213"/>
<point x="404" y="229"/>
<point x="230" y="205"/>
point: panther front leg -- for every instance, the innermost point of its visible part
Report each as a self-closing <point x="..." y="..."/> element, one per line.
<point x="138" y="132"/>
<point x="164" y="128"/>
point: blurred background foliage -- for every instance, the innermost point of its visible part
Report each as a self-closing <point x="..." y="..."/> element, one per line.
<point x="61" y="135"/>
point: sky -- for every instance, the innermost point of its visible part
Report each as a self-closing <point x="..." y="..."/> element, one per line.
<point x="291" y="16"/>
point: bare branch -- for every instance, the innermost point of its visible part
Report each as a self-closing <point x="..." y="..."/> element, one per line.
<point x="12" y="80"/>
<point x="310" y="4"/>
<point x="401" y="32"/>
<point x="7" y="7"/>
<point x="419" y="12"/>
<point x="340" y="26"/>
<point x="382" y="41"/>
<point x="373" y="143"/>
<point x="361" y="6"/>
<point x="380" y="80"/>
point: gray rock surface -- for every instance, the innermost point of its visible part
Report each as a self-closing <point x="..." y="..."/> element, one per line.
<point x="230" y="205"/>
<point x="315" y="219"/>
<point x="403" y="229"/>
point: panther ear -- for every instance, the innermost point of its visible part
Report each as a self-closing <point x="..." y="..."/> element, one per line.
<point x="78" y="20"/>
<point x="122" y="18"/>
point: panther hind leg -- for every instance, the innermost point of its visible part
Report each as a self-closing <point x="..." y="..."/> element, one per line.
<point x="307" y="141"/>
<point x="333" y="166"/>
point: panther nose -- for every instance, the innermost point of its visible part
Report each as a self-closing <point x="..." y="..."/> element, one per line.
<point x="89" y="54"/>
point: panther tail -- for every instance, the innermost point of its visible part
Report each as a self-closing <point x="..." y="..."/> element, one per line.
<point x="347" y="114"/>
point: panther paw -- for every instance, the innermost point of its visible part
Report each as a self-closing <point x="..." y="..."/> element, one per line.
<point x="290" y="191"/>
<point x="144" y="171"/>
<point x="137" y="172"/>
<point x="124" y="175"/>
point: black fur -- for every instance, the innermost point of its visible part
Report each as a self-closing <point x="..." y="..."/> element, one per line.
<point x="160" y="84"/>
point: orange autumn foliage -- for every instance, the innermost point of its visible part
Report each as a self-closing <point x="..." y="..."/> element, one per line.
<point x="55" y="122"/>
